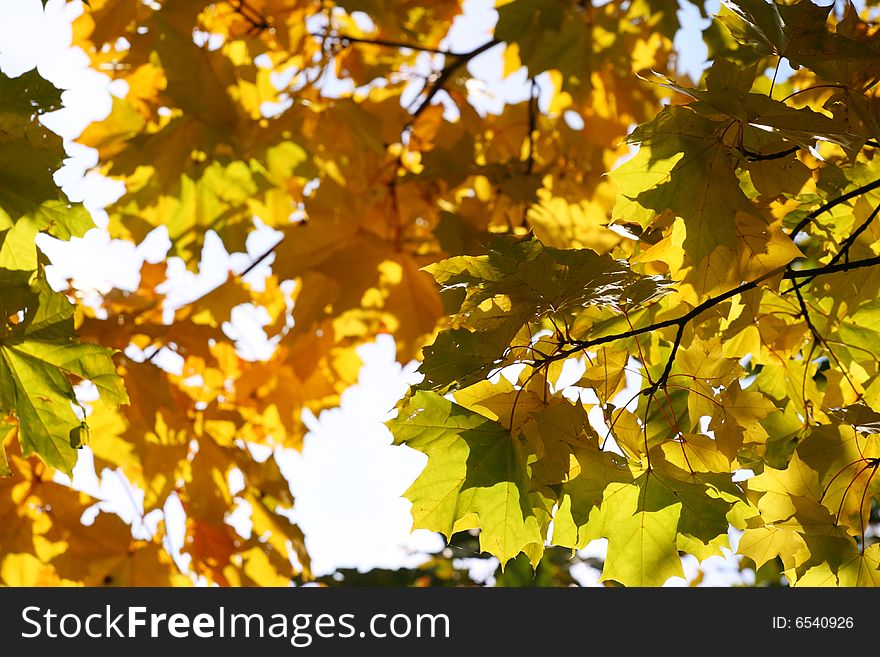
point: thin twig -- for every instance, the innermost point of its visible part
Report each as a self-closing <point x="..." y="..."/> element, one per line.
<point x="346" y="39"/>
<point x="843" y="252"/>
<point x="255" y="263"/>
<point x="843" y="198"/>
<point x="832" y="269"/>
<point x="708" y="304"/>
<point x="760" y="157"/>
<point x="149" y="358"/>
<point x="457" y="62"/>
<point x="849" y="241"/>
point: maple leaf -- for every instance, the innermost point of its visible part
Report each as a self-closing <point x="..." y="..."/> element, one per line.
<point x="38" y="359"/>
<point x="518" y="282"/>
<point x="859" y="416"/>
<point x="683" y="166"/>
<point x="584" y="492"/>
<point x="800" y="32"/>
<point x="476" y="471"/>
<point x="640" y="523"/>
<point x="30" y="201"/>
<point x="562" y="42"/>
<point x="796" y="124"/>
<point x="860" y="570"/>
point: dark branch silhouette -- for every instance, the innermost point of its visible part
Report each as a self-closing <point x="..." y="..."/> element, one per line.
<point x="758" y="157"/>
<point x="443" y="77"/>
<point x="708" y="304"/>
<point x="260" y="258"/>
<point x="347" y="40"/>
<point x="822" y="209"/>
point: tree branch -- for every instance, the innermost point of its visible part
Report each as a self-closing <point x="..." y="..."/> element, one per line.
<point x="578" y="345"/>
<point x="805" y="313"/>
<point x="843" y="198"/>
<point x="849" y="241"/>
<point x="759" y="157"/>
<point x="346" y="39"/>
<point x="260" y="258"/>
<point x="696" y="311"/>
<point x="661" y="381"/>
<point x="457" y="62"/>
<point x="832" y="269"/>
<point x="818" y="339"/>
<point x="255" y="263"/>
<point x="257" y="21"/>
<point x="843" y="252"/>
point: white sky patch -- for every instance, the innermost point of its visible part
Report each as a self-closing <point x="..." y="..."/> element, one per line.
<point x="585" y="575"/>
<point x="273" y="109"/>
<point x="119" y="265"/>
<point x="240" y="518"/>
<point x="175" y="531"/>
<point x="572" y="370"/>
<point x="573" y="120"/>
<point x="246" y="328"/>
<point x="114" y="492"/>
<point x="208" y="40"/>
<point x="510" y="372"/>
<point x="349" y="478"/>
<point x="472" y="28"/>
<point x="623" y="232"/>
<point x="479" y="570"/>
<point x="363" y="21"/>
<point x="689" y="39"/>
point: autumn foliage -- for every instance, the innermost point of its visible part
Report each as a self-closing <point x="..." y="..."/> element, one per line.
<point x="714" y="240"/>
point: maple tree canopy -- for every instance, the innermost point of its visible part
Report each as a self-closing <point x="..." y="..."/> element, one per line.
<point x="715" y="239"/>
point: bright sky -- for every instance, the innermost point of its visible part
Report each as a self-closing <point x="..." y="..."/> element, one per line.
<point x="349" y="479"/>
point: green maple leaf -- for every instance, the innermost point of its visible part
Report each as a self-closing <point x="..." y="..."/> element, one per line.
<point x="761" y="544"/>
<point x="39" y="359"/>
<point x="476" y="471"/>
<point x="860" y="417"/>
<point x="861" y="569"/>
<point x="537" y="279"/>
<point x="5" y="430"/>
<point x="683" y="166"/>
<point x="25" y="96"/>
<point x="640" y="521"/>
<point x="799" y="125"/>
<point x="860" y="327"/>
<point x="520" y="281"/>
<point x="763" y="25"/>
<point x="459" y="357"/>
<point x="800" y="33"/>
<point x="561" y="41"/>
<point x="583" y="493"/>
<point x="703" y="525"/>
<point x="30" y="201"/>
<point x="555" y="431"/>
<point x="737" y="419"/>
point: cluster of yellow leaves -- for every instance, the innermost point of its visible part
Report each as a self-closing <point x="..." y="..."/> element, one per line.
<point x="45" y="543"/>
